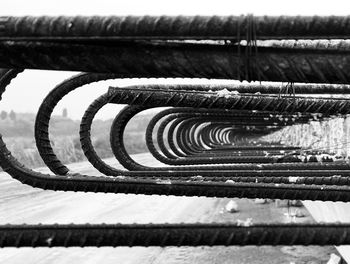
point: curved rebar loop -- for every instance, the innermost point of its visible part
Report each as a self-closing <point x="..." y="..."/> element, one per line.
<point x="169" y="158"/>
<point x="189" y="141"/>
<point x="147" y="185"/>
<point x="118" y="148"/>
<point x="247" y="170"/>
<point x="61" y="43"/>
<point x="211" y="132"/>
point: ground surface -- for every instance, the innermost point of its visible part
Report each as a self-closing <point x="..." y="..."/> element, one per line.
<point x="331" y="136"/>
<point x="23" y="204"/>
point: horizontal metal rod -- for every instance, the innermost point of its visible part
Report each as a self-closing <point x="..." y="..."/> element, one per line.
<point x="170" y="60"/>
<point x="263" y="88"/>
<point x="174" y="27"/>
<point x="169" y="186"/>
<point x="164" y="235"/>
<point x="230" y="101"/>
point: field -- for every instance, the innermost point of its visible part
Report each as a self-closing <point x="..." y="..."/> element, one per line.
<point x="64" y="136"/>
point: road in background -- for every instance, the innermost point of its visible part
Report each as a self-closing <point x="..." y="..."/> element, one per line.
<point x="23" y="204"/>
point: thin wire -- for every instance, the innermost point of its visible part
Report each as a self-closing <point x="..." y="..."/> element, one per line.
<point x="248" y="50"/>
<point x="255" y="44"/>
<point x="239" y="48"/>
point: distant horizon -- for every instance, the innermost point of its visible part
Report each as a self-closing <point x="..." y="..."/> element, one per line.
<point x="27" y="91"/>
<point x="60" y="115"/>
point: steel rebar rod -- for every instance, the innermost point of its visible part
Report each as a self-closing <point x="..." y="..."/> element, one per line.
<point x="262" y="88"/>
<point x="164" y="235"/>
<point x="185" y="60"/>
<point x="173" y="27"/>
<point x="213" y="100"/>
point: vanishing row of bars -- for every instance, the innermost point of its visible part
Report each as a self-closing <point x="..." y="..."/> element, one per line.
<point x="209" y="137"/>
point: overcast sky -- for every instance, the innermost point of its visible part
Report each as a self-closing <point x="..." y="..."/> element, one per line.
<point x="30" y="88"/>
<point x="173" y="7"/>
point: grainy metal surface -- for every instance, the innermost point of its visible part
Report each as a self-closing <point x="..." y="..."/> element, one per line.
<point x="184" y="60"/>
<point x="215" y="100"/>
<point x="145" y="47"/>
<point x="177" y="27"/>
<point x="172" y="235"/>
<point x="266" y="88"/>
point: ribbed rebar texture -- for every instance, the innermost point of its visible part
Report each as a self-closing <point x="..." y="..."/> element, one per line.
<point x="252" y="88"/>
<point x="172" y="235"/>
<point x="212" y="135"/>
<point x="177" y="27"/>
<point x="186" y="60"/>
<point x="229" y="101"/>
